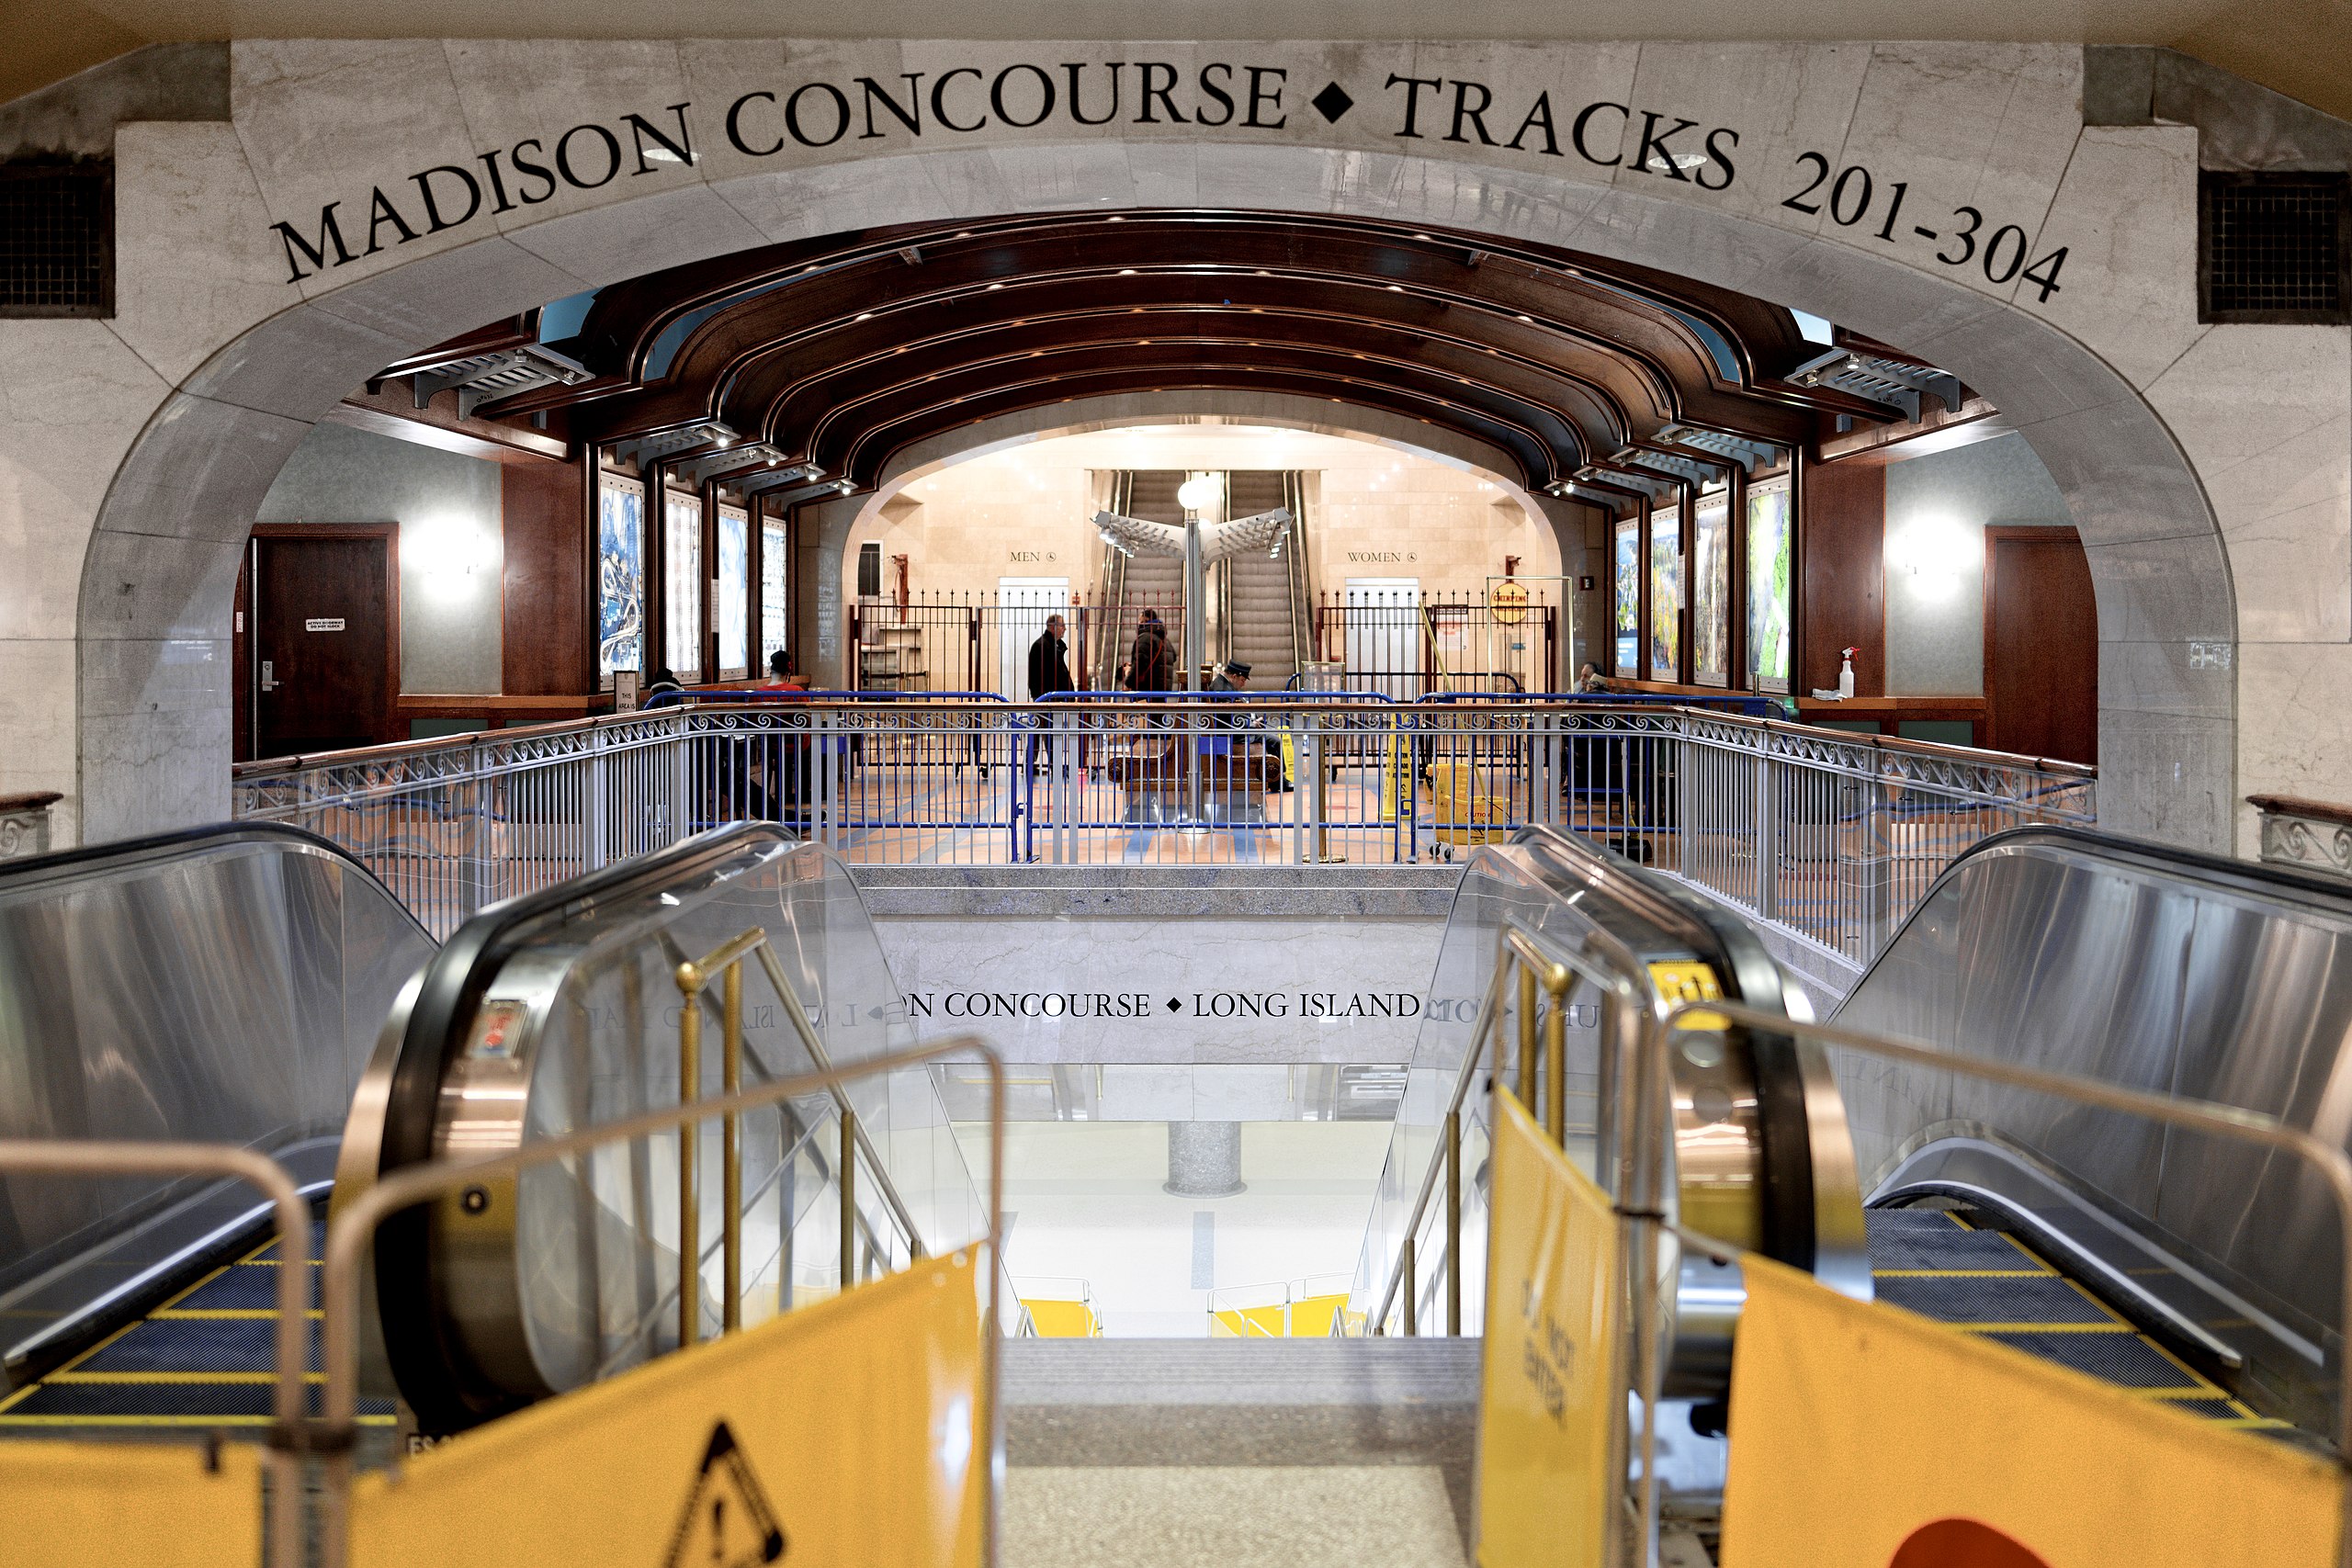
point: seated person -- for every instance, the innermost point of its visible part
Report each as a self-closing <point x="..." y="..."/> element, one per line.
<point x="1589" y="680"/>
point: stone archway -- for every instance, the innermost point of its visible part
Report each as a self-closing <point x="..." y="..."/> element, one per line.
<point x="151" y="700"/>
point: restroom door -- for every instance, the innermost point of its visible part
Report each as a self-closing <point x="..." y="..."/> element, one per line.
<point x="1384" y="643"/>
<point x="324" y="636"/>
<point x="1023" y="605"/>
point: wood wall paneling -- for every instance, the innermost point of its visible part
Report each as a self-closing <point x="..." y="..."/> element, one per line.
<point x="547" y="639"/>
<point x="1844" y="603"/>
<point x="2041" y="644"/>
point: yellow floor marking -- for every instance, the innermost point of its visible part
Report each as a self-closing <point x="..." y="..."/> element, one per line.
<point x="2113" y="1315"/>
<point x="216" y="1314"/>
<point x="180" y="1296"/>
<point x="1963" y="1273"/>
<point x="165" y="1421"/>
<point x="192" y="1378"/>
<point x="2034" y="1257"/>
<point x="2041" y="1327"/>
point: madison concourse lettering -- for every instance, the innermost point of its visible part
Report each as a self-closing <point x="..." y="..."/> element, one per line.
<point x="1066" y="99"/>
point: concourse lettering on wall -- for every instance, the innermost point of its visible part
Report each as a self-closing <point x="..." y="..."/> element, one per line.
<point x="836" y="115"/>
<point x="1140" y="1005"/>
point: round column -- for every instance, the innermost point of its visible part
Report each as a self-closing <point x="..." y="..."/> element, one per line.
<point x="1203" y="1159"/>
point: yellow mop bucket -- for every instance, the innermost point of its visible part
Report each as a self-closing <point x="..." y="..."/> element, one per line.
<point x="1457" y="804"/>
<point x="1396" y="774"/>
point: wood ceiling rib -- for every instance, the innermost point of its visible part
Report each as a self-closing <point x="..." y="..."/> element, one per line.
<point x="837" y="351"/>
<point x="1572" y="421"/>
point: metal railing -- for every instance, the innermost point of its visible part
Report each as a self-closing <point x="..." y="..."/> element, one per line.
<point x="352" y="1229"/>
<point x="289" y="1430"/>
<point x="1830" y="836"/>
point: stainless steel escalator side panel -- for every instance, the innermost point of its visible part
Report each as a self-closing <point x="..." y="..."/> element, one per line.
<point x="1759" y="1153"/>
<point x="223" y="984"/>
<point x="551" y="1014"/>
<point x="2153" y="969"/>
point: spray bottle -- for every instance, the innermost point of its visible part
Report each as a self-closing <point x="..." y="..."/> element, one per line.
<point x="1846" y="674"/>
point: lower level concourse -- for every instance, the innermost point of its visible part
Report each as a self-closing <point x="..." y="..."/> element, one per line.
<point x="1135" y="805"/>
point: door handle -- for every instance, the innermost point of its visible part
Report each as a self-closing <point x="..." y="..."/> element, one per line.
<point x="268" y="670"/>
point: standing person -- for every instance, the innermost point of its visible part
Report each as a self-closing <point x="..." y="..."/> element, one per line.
<point x="1049" y="670"/>
<point x="662" y="689"/>
<point x="1153" y="666"/>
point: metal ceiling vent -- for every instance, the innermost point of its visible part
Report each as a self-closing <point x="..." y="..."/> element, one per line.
<point x="2272" y="247"/>
<point x="57" y="238"/>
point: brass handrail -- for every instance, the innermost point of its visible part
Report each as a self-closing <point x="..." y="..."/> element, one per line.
<point x="132" y="1157"/>
<point x="351" y="1230"/>
<point x="2209" y="1117"/>
<point x="1555" y="972"/>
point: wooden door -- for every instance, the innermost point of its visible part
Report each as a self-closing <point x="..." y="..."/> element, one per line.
<point x="2040" y="644"/>
<point x="326" y="637"/>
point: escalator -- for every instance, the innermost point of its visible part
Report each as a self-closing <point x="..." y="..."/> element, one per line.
<point x="2150" y="968"/>
<point x="223" y="984"/>
<point x="254" y="985"/>
<point x="2186" y="1270"/>
<point x="559" y="1011"/>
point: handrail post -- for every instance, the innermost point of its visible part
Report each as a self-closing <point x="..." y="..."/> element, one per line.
<point x="731" y="1156"/>
<point x="1453" y="1221"/>
<point x="1555" y="1052"/>
<point x="1766" y="837"/>
<point x="1526" y="1037"/>
<point x="689" y="1209"/>
<point x="847" y="1176"/>
<point x="1412" y="1289"/>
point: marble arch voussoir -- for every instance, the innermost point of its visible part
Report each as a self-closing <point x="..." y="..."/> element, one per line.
<point x="382" y="194"/>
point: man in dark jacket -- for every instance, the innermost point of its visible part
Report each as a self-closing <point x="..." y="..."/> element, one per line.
<point x="1049" y="662"/>
<point x="1049" y="673"/>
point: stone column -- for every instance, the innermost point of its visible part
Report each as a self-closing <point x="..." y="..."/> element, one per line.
<point x="1203" y="1159"/>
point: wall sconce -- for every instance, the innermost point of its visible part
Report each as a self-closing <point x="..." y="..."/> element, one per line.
<point x="1935" y="553"/>
<point x="456" y="552"/>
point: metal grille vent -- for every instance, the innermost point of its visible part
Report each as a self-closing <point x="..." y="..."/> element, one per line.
<point x="2272" y="248"/>
<point x="57" y="238"/>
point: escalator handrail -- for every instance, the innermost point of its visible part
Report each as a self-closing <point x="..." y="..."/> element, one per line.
<point x="110" y="855"/>
<point x="2254" y="878"/>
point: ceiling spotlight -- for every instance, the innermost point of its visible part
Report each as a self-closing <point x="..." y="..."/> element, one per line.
<point x="865" y="315"/>
<point x="845" y="486"/>
<point x="994" y="286"/>
<point x="1126" y="272"/>
<point x="1529" y="319"/>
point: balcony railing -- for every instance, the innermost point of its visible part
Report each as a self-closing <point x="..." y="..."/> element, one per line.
<point x="1830" y="836"/>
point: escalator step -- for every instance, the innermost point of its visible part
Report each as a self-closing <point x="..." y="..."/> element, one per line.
<point x="239" y="1288"/>
<point x="2126" y="1359"/>
<point x="1969" y="1298"/>
<point x="1931" y="1238"/>
<point x="193" y="1346"/>
<point x="163" y="1404"/>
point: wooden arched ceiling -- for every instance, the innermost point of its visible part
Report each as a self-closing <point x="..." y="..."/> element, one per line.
<point x="831" y="354"/>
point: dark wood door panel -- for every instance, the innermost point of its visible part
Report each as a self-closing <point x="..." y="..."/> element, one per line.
<point x="325" y="639"/>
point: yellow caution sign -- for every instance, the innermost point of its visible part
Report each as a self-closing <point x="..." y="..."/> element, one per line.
<point x="1679" y="982"/>
<point x="1508" y="601"/>
<point x="1547" y="1484"/>
<point x="845" y="1432"/>
<point x="1865" y="1437"/>
<point x="80" y="1505"/>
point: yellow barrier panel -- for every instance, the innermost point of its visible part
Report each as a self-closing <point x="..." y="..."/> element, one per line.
<point x="1864" y="1435"/>
<point x="87" y="1505"/>
<point x="843" y="1433"/>
<point x="1554" y="1305"/>
<point x="1062" y="1319"/>
<point x="1311" y="1317"/>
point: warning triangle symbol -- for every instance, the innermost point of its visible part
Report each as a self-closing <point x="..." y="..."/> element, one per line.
<point x="727" y="1522"/>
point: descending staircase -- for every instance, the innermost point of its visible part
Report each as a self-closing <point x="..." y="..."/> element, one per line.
<point x="1301" y="1453"/>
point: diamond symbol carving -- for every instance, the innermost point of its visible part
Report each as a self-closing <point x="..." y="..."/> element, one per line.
<point x="1332" y="102"/>
<point x="1174" y="1005"/>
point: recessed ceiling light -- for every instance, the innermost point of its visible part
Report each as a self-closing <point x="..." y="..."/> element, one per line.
<point x="1126" y="272"/>
<point x="994" y="286"/>
<point x="1395" y="288"/>
<point x="865" y="315"/>
<point x="1529" y="319"/>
